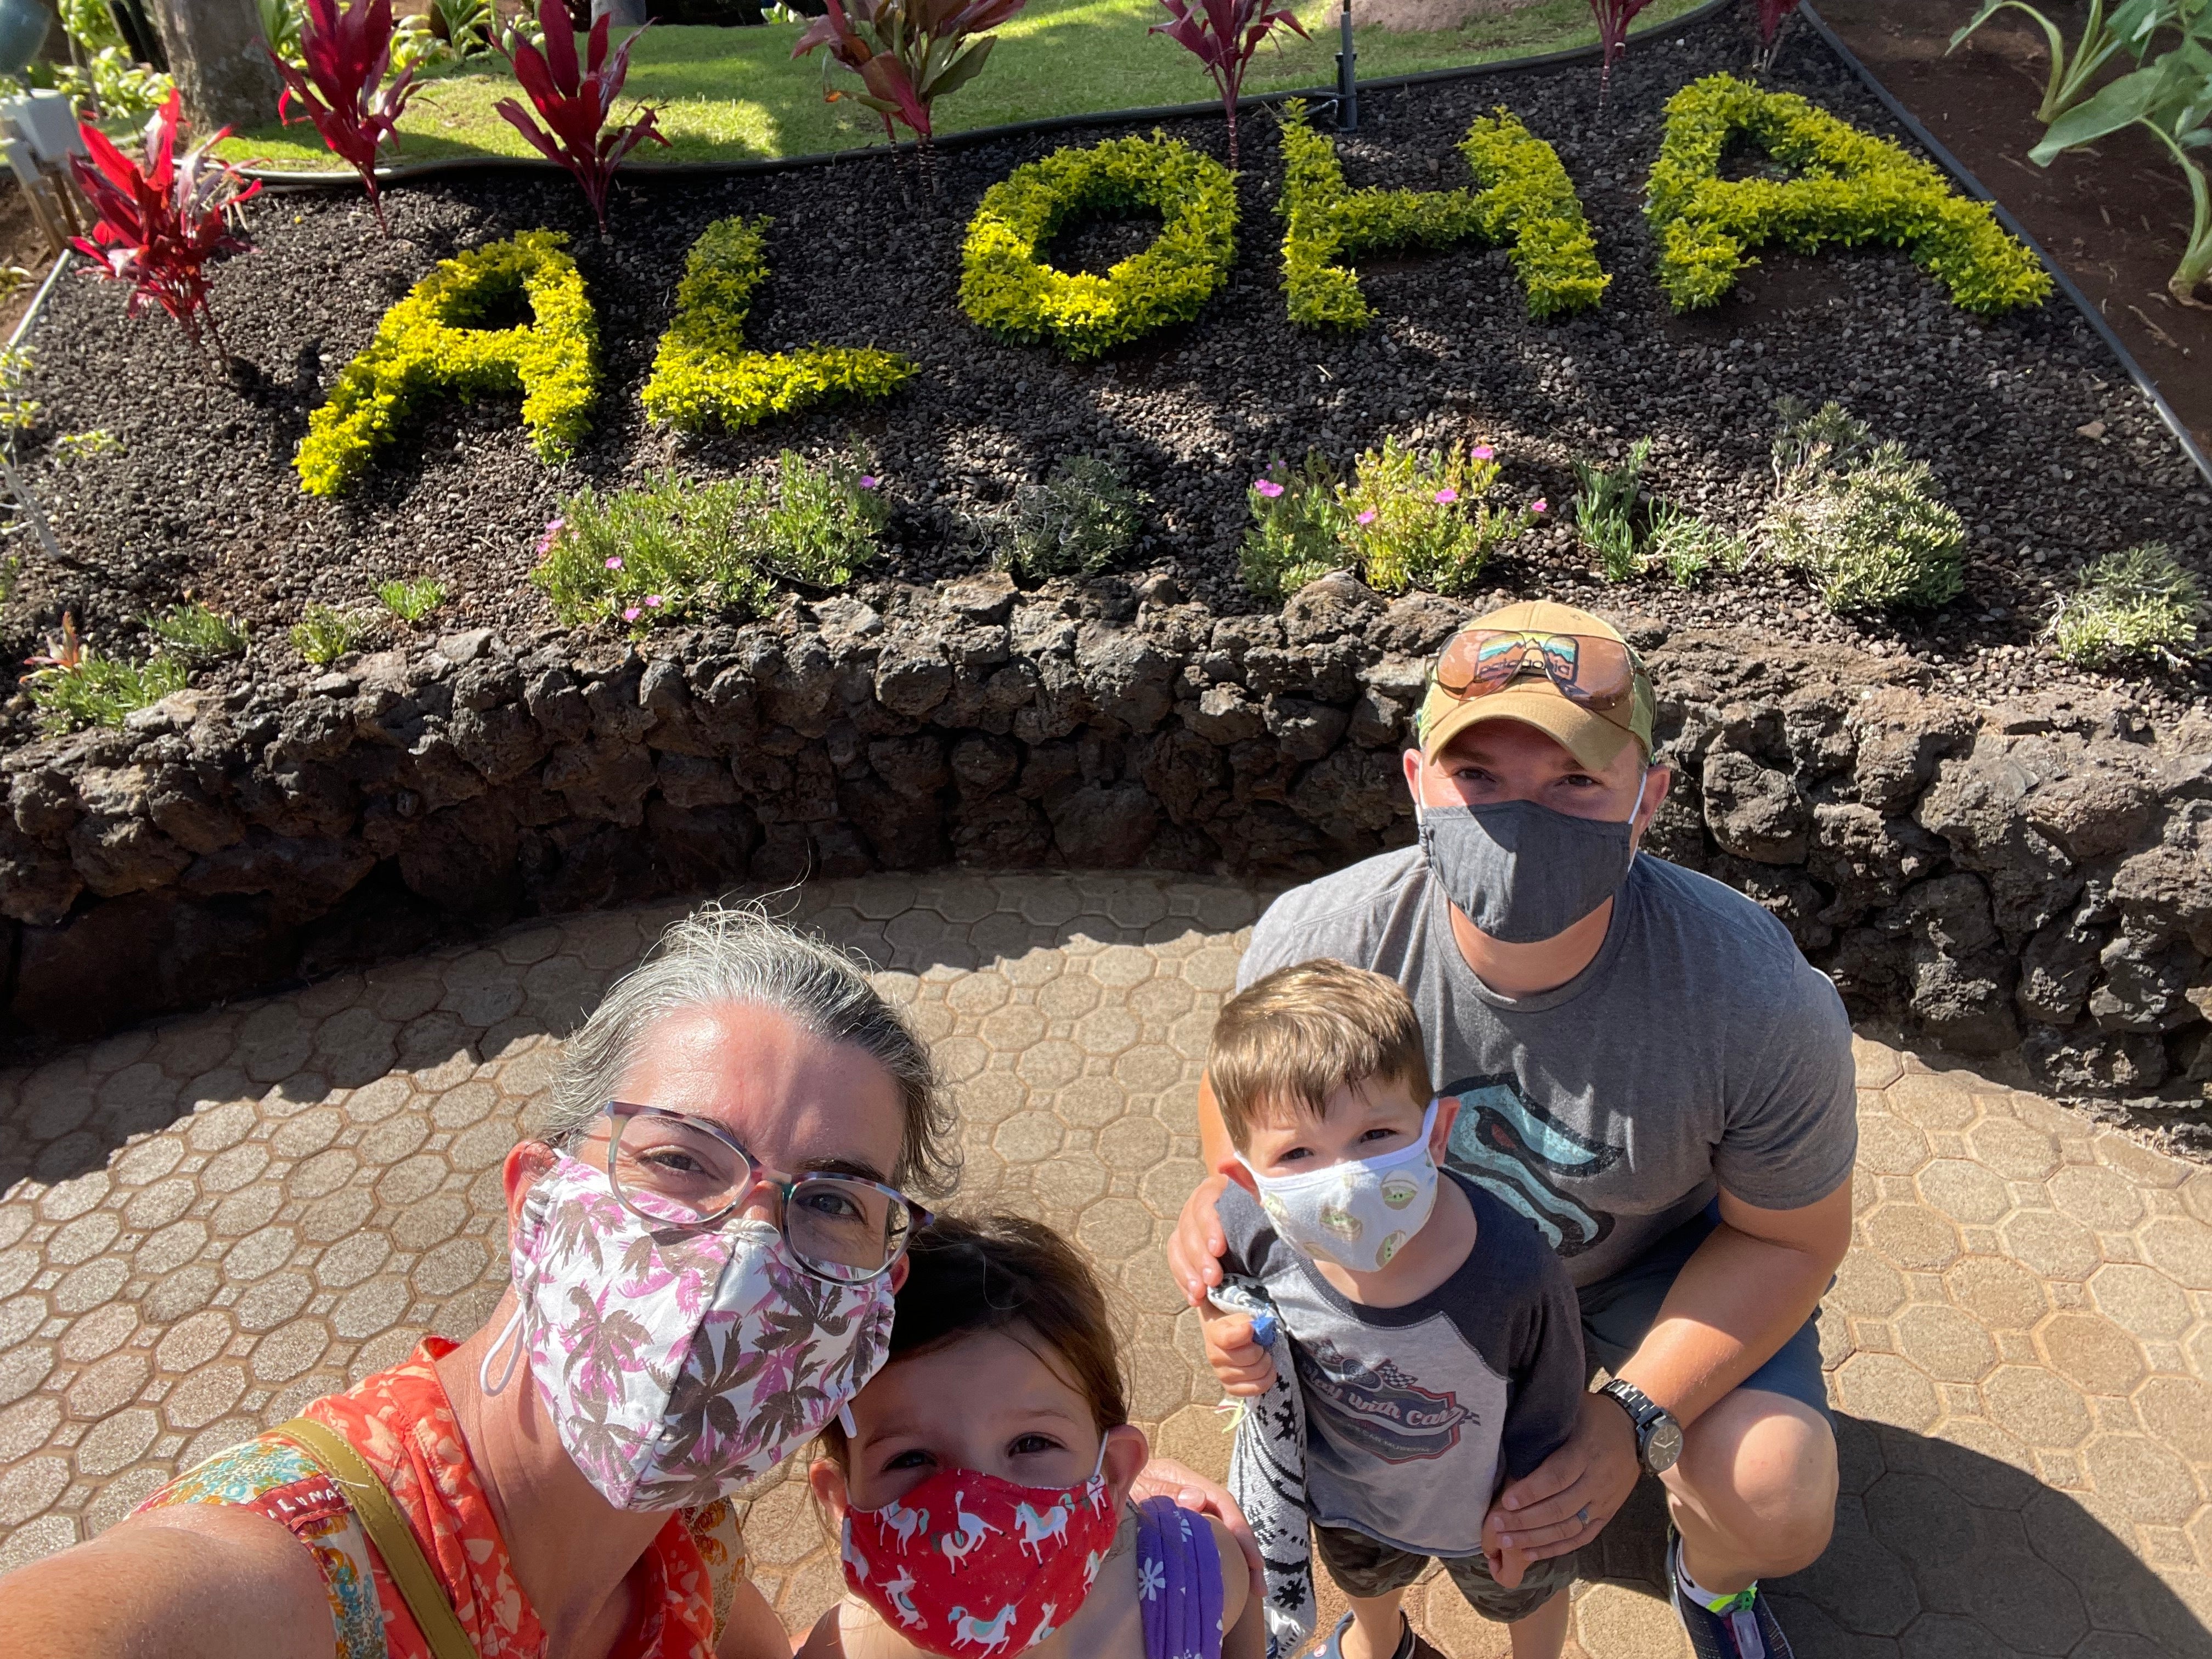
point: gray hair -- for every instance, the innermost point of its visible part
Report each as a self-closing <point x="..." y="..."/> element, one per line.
<point x="725" y="953"/>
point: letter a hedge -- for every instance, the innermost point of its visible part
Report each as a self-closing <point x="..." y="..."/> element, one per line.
<point x="1851" y="187"/>
<point x="1006" y="287"/>
<point x="434" y="341"/>
<point x="703" y="375"/>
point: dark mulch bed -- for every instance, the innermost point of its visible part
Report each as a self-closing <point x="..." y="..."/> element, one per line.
<point x="204" y="500"/>
<point x="2117" y="221"/>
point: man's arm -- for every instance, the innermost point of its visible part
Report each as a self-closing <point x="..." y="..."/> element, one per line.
<point x="1754" y="1280"/>
<point x="200" y="1581"/>
<point x="1195" y="1247"/>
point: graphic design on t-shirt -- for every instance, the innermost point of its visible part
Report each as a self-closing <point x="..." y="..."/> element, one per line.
<point x="1515" y="1152"/>
<point x="1379" y="1409"/>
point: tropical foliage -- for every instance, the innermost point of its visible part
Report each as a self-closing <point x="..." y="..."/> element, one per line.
<point x="907" y="53"/>
<point x="1222" y="35"/>
<point x="345" y="85"/>
<point x="574" y="99"/>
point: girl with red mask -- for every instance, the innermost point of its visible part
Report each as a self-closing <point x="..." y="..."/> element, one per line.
<point x="980" y="1483"/>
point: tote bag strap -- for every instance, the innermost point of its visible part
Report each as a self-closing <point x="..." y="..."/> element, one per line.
<point x="387" y="1530"/>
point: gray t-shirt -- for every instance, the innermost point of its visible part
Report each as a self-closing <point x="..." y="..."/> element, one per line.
<point x="1416" y="1415"/>
<point x="1699" y="1047"/>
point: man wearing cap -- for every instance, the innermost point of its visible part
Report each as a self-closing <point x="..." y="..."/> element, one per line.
<point x="1646" y="1067"/>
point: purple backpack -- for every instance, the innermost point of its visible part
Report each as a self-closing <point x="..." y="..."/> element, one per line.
<point x="1178" y="1582"/>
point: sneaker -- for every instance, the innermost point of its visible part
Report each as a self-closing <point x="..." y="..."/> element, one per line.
<point x="1740" y="1627"/>
<point x="1409" y="1646"/>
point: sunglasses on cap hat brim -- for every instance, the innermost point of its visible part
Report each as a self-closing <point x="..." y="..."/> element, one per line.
<point x="1596" y="672"/>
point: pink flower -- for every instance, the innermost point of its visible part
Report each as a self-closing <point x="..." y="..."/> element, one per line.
<point x="1367" y="516"/>
<point x="1540" y="505"/>
<point x="869" y="480"/>
<point x="632" y="614"/>
<point x="1446" y="497"/>
<point x="552" y="534"/>
<point x="1267" y="487"/>
<point x="1483" y="451"/>
<point x="613" y="564"/>
<point x="652" y="600"/>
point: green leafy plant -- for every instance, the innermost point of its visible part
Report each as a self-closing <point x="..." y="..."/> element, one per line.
<point x="197" y="635"/>
<point x="907" y="53"/>
<point x="412" y="600"/>
<point x="280" y="26"/>
<point x="1872" y="534"/>
<point x="2130" y="607"/>
<point x="823" y="522"/>
<point x="702" y="374"/>
<point x="81" y="445"/>
<point x="2172" y="99"/>
<point x="1418" y="519"/>
<point x="1850" y="188"/>
<point x="1811" y="440"/>
<point x="662" y="550"/>
<point x="434" y="340"/>
<point x="1685" y="547"/>
<point x="103" y="76"/>
<point x="1007" y="287"/>
<point x="324" y="634"/>
<point x="1298" y="521"/>
<point x="2129" y="29"/>
<point x="1605" y="512"/>
<point x="71" y="685"/>
<point x="1083" y="518"/>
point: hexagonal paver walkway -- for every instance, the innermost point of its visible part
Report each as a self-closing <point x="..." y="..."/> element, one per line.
<point x="207" y="1222"/>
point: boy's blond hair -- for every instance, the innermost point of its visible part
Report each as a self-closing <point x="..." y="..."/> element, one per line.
<point x="1296" y="1036"/>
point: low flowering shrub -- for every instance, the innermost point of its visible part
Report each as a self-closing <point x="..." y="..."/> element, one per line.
<point x="702" y="374"/>
<point x="1084" y="519"/>
<point x="1008" y="289"/>
<point x="574" y="100"/>
<point x="160" y="218"/>
<point x="671" y="549"/>
<point x="1418" y="519"/>
<point x="2127" y="608"/>
<point x="70" y="685"/>
<point x="1864" y="523"/>
<point x="1525" y="201"/>
<point x="1298" y="523"/>
<point x="434" y="341"/>
<point x="1850" y="188"/>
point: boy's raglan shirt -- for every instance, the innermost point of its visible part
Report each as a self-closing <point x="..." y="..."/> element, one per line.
<point x="1416" y="1414"/>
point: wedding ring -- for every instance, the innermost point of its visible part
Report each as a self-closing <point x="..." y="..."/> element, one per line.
<point x="1581" y="1516"/>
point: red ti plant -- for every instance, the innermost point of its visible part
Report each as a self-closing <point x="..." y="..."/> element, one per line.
<point x="162" y="219"/>
<point x="1613" y="17"/>
<point x="1222" y="35"/>
<point x="907" y="53"/>
<point x="1771" y="16"/>
<point x="575" y="101"/>
<point x="342" y="89"/>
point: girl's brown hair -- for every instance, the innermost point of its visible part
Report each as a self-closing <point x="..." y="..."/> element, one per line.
<point x="1003" y="1272"/>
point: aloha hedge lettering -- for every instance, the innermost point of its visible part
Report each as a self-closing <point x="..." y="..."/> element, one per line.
<point x="1008" y="289"/>
<point x="1525" y="200"/>
<point x="434" y="340"/>
<point x="702" y="375"/>
<point x="1851" y="187"/>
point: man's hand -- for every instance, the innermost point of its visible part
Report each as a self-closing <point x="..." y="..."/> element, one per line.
<point x="1565" y="1500"/>
<point x="1195" y="1246"/>
<point x="1165" y="1478"/>
<point x="1508" y="1567"/>
<point x="1242" y="1365"/>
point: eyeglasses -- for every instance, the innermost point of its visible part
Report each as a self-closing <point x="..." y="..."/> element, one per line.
<point x="1588" y="669"/>
<point x="668" y="1168"/>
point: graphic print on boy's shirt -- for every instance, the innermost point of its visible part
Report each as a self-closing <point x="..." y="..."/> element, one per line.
<point x="1410" y="1410"/>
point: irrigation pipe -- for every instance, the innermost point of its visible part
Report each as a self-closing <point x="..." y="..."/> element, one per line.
<point x="1980" y="192"/>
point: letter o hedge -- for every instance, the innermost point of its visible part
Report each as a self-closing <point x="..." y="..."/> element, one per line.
<point x="1007" y="289"/>
<point x="431" y="341"/>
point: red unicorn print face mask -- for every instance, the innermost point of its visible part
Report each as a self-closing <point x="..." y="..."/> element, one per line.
<point x="974" y="1566"/>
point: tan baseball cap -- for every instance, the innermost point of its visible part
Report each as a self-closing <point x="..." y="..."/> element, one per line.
<point x="1595" y="737"/>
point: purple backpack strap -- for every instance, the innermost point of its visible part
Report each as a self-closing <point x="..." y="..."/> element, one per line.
<point x="1178" y="1582"/>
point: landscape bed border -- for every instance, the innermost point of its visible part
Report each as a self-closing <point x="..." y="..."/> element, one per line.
<point x="2021" y="880"/>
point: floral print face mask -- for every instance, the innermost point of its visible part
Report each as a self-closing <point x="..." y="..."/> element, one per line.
<point x="677" y="1363"/>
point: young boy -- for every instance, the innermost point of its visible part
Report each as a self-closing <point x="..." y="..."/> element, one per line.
<point x="1436" y="1338"/>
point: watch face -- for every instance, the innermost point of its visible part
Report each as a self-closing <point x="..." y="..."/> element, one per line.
<point x="1663" y="1445"/>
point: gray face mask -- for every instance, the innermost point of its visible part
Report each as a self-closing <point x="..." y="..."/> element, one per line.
<point x="1523" y="872"/>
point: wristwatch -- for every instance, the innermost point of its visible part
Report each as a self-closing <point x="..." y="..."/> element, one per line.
<point x="1658" y="1436"/>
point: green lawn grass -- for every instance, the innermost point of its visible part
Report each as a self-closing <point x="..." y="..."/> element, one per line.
<point x="735" y="94"/>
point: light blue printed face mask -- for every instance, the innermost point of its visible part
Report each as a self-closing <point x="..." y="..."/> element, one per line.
<point x="1358" y="1213"/>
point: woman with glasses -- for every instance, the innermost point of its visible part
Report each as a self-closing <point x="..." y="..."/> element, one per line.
<point x="705" y="1240"/>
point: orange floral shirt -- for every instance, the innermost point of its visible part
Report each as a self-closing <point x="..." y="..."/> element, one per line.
<point x="402" y="1424"/>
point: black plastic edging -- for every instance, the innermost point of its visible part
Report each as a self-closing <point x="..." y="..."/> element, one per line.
<point x="1975" y="188"/>
<point x="972" y="136"/>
